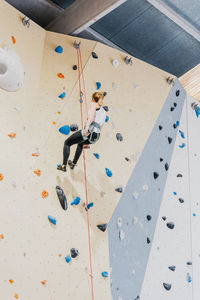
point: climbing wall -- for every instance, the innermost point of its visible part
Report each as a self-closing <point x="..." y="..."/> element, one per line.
<point x="33" y="251"/>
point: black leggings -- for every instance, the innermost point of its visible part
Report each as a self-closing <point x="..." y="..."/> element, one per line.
<point x="75" y="138"/>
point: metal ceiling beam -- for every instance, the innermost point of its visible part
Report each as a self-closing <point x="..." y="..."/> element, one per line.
<point x="176" y="18"/>
<point x="81" y="14"/>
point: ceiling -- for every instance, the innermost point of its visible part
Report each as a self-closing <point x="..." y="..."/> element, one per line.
<point x="137" y="27"/>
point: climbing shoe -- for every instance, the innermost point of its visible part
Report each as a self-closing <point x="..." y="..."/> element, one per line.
<point x="71" y="164"/>
<point x="61" y="168"/>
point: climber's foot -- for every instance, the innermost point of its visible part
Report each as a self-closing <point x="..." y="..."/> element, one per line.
<point x="71" y="164"/>
<point x="61" y="168"/>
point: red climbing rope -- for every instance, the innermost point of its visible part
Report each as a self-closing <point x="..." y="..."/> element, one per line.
<point x="79" y="59"/>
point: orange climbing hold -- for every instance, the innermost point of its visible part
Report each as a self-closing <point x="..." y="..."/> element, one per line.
<point x="16" y="296"/>
<point x="53" y="123"/>
<point x="36" y="154"/>
<point x="44" y="282"/>
<point x="13" y="39"/>
<point x="11" y="281"/>
<point x="60" y="75"/>
<point x="44" y="194"/>
<point x="59" y="112"/>
<point x="1" y="177"/>
<point x="2" y="236"/>
<point x="37" y="172"/>
<point x="59" y="255"/>
<point x="12" y="135"/>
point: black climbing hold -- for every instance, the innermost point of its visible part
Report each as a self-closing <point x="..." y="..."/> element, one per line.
<point x="181" y="200"/>
<point x="74" y="252"/>
<point x="161" y="159"/>
<point x="75" y="67"/>
<point x="94" y="55"/>
<point x="189" y="263"/>
<point x="169" y="139"/>
<point x="119" y="189"/>
<point x="102" y="227"/>
<point x="174" y="125"/>
<point x="74" y="127"/>
<point x="167" y="286"/>
<point x="149" y="217"/>
<point x="127" y="159"/>
<point x="166" y="166"/>
<point x="175" y="104"/>
<point x="148" y="241"/>
<point x="106" y="108"/>
<point x="177" y="93"/>
<point x="172" y="108"/>
<point x="119" y="137"/>
<point x="160" y="127"/>
<point x="155" y="175"/>
<point x="137" y="298"/>
<point x="172" y="268"/>
<point x="104" y="93"/>
<point x="61" y="196"/>
<point x="179" y="175"/>
<point x="170" y="225"/>
<point x="164" y="218"/>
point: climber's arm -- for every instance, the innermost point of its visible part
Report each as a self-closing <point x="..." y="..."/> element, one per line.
<point x="91" y="117"/>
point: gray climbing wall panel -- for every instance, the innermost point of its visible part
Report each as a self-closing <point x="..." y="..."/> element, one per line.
<point x="129" y="228"/>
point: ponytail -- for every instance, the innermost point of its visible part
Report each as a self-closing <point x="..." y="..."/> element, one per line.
<point x="98" y="98"/>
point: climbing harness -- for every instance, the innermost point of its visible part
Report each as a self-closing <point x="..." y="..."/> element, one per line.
<point x="94" y="131"/>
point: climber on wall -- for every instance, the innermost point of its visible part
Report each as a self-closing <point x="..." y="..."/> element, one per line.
<point x="89" y="135"/>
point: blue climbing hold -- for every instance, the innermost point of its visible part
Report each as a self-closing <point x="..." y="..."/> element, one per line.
<point x="59" y="49"/>
<point x="104" y="274"/>
<point x="98" y="85"/>
<point x="108" y="172"/>
<point x="182" y="134"/>
<point x="90" y="205"/>
<point x="197" y="111"/>
<point x="175" y="193"/>
<point x="194" y="215"/>
<point x="182" y="146"/>
<point x="177" y="123"/>
<point x="65" y="129"/>
<point x="68" y="258"/>
<point x="76" y="201"/>
<point x="96" y="155"/>
<point x="107" y="119"/>
<point x="52" y="220"/>
<point x="61" y="96"/>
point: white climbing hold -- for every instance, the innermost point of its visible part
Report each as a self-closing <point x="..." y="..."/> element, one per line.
<point x="119" y="222"/>
<point x="135" y="220"/>
<point x="135" y="195"/>
<point x="121" y="234"/>
<point x="115" y="63"/>
<point x="115" y="86"/>
<point x="103" y="194"/>
<point x="145" y="187"/>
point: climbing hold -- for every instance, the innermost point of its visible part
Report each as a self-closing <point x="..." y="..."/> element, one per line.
<point x="177" y="123"/>
<point x="107" y="119"/>
<point x="16" y="296"/>
<point x="189" y="278"/>
<point x="96" y="155"/>
<point x="145" y="187"/>
<point x="108" y="172"/>
<point x="175" y="193"/>
<point x="37" y="172"/>
<point x="68" y="258"/>
<point x="164" y="218"/>
<point x="61" y="196"/>
<point x="161" y="159"/>
<point x="172" y="108"/>
<point x="160" y="127"/>
<point x="36" y="154"/>
<point x="76" y="201"/>
<point x="181" y="200"/>
<point x="102" y="227"/>
<point x="121" y="234"/>
<point x="74" y="127"/>
<point x="119" y="189"/>
<point x="172" y="268"/>
<point x="115" y="63"/>
<point x="177" y="93"/>
<point x="194" y="215"/>
<point x="11" y="281"/>
<point x="12" y="135"/>
<point x="128" y="60"/>
<point x="104" y="94"/>
<point x="98" y="85"/>
<point x="155" y="175"/>
<point x="104" y="274"/>
<point x="127" y="159"/>
<point x="166" y="166"/>
<point x="179" y="175"/>
<point x="175" y="104"/>
<point x="1" y="236"/>
<point x="13" y="39"/>
<point x="119" y="137"/>
<point x="65" y="129"/>
<point x="52" y="220"/>
<point x="149" y="218"/>
<point x="94" y="55"/>
<point x="106" y="108"/>
<point x="74" y="67"/>
<point x="189" y="263"/>
<point x="175" y="126"/>
<point x="182" y="146"/>
<point x="59" y="49"/>
<point x="60" y="75"/>
<point x="169" y="140"/>
<point x="44" y="282"/>
<point x="1" y="177"/>
<point x="74" y="252"/>
<point x="115" y="85"/>
<point x="197" y="111"/>
<point x="90" y="205"/>
<point x="148" y="240"/>
<point x="182" y="134"/>
<point x="119" y="222"/>
<point x="26" y="21"/>
<point x="44" y="194"/>
<point x="135" y="195"/>
<point x="61" y="96"/>
<point x="167" y="286"/>
<point x="170" y="225"/>
<point x="135" y="220"/>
